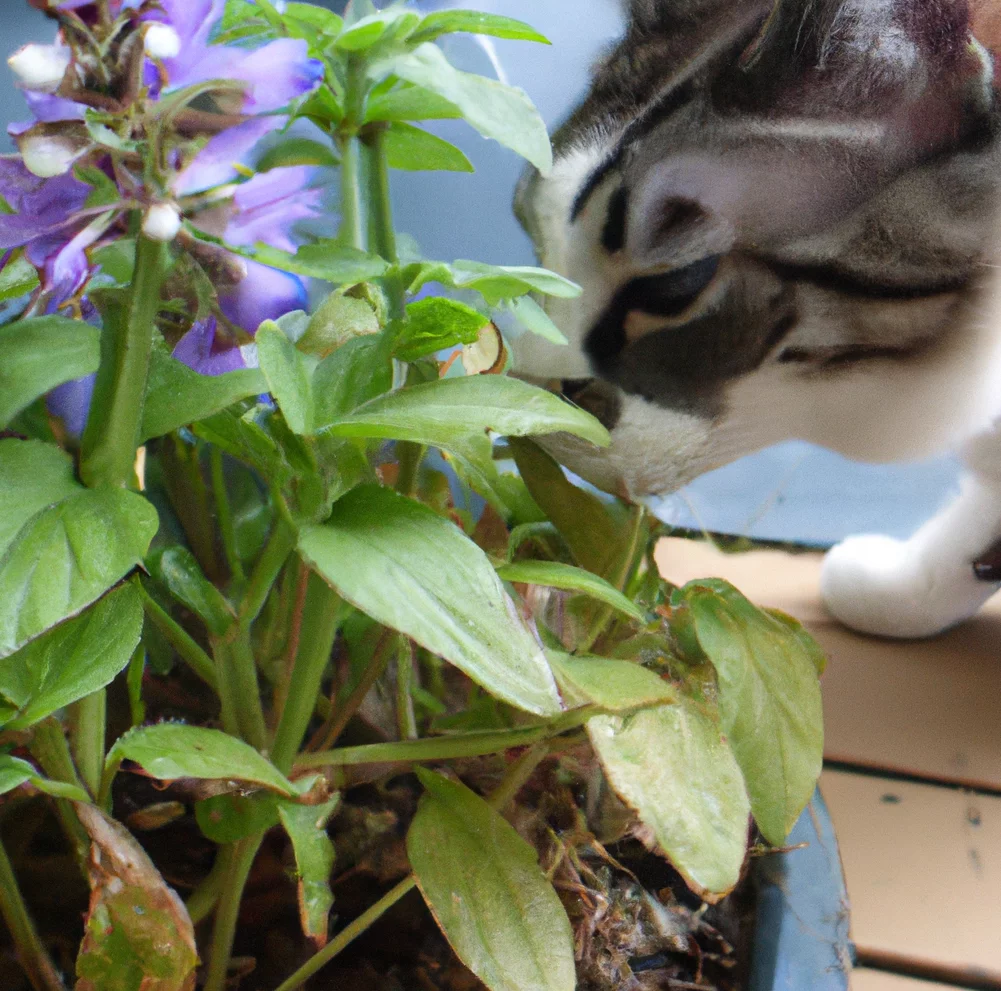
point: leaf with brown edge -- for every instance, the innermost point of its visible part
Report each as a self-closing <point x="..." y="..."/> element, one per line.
<point x="138" y="935"/>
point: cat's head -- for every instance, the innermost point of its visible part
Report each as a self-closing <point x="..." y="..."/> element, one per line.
<point x="778" y="214"/>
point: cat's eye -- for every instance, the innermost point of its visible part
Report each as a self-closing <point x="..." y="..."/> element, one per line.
<point x="669" y="294"/>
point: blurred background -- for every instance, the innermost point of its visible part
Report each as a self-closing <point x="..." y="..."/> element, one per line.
<point x="792" y="492"/>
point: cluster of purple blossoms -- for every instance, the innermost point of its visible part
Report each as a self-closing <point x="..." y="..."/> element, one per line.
<point x="165" y="60"/>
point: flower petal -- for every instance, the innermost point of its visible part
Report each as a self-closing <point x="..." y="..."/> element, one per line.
<point x="198" y="349"/>
<point x="265" y="294"/>
<point x="216" y="162"/>
<point x="41" y="206"/>
<point x="269" y="205"/>
<point x="69" y="268"/>
<point x="71" y="403"/>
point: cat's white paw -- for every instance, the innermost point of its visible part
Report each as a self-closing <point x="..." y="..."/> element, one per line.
<point x="893" y="588"/>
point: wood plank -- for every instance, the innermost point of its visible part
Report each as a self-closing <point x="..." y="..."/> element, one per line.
<point x="927" y="708"/>
<point x="923" y="868"/>
<point x="877" y="980"/>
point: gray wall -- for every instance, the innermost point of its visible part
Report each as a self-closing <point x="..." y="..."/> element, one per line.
<point x="790" y="492"/>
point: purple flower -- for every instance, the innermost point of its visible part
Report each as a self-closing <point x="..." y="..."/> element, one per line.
<point x="274" y="75"/>
<point x="200" y="349"/>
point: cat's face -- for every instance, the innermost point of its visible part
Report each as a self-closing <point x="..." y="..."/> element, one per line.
<point x="778" y="215"/>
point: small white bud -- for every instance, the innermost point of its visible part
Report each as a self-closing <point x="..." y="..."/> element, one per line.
<point x="163" y="221"/>
<point x="161" y="41"/>
<point x="47" y="156"/>
<point x="40" y="67"/>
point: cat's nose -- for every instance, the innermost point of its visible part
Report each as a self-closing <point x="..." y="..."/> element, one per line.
<point x="600" y="399"/>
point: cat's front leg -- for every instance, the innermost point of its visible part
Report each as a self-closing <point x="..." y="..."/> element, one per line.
<point x="922" y="586"/>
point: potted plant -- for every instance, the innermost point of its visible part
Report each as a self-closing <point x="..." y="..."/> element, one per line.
<point x="258" y="648"/>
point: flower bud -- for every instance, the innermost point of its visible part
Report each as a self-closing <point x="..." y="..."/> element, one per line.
<point x="163" y="221"/>
<point x="40" y="67"/>
<point x="161" y="41"/>
<point x="47" y="155"/>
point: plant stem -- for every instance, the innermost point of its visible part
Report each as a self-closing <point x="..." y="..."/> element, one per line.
<point x="380" y="659"/>
<point x="224" y="512"/>
<point x="88" y="726"/>
<point x="280" y="544"/>
<point x="31" y="953"/>
<point x="347" y="935"/>
<point x="112" y="434"/>
<point x="205" y="897"/>
<point x="245" y="688"/>
<point x="518" y="775"/>
<point x="382" y="233"/>
<point x="351" y="229"/>
<point x="239" y="858"/>
<point x="447" y="747"/>
<point x="49" y="747"/>
<point x="186" y="648"/>
<point x="405" y="718"/>
<point x="316" y="640"/>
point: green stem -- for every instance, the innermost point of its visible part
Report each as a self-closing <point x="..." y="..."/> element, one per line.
<point x="447" y="747"/>
<point x="224" y="680"/>
<point x="49" y="747"/>
<point x="31" y="953"/>
<point x="382" y="233"/>
<point x="186" y="648"/>
<point x="280" y="544"/>
<point x="205" y="897"/>
<point x="225" y="514"/>
<point x="239" y="858"/>
<point x="351" y="228"/>
<point x="316" y="640"/>
<point x="409" y="457"/>
<point x="88" y="726"/>
<point x="246" y="689"/>
<point x="372" y="674"/>
<point x="518" y="776"/>
<point x="112" y="435"/>
<point x="405" y="718"/>
<point x="348" y="935"/>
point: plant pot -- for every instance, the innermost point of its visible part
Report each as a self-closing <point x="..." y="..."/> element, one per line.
<point x="802" y="940"/>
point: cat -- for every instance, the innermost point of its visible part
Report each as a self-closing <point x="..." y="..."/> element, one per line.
<point x="785" y="218"/>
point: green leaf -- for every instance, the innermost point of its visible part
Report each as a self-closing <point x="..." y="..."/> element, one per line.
<point x="616" y="686"/>
<point x="38" y="354"/>
<point x="306" y="826"/>
<point x="534" y="318"/>
<point x="769" y="700"/>
<point x="447" y="410"/>
<point x="353" y="374"/>
<point x="437" y="323"/>
<point x="177" y="569"/>
<point x="405" y="102"/>
<point x="326" y="260"/>
<point x="483" y="884"/>
<point x="33" y="476"/>
<point x="59" y="561"/>
<point x="305" y="20"/>
<point x="103" y="135"/>
<point x="297" y="151"/>
<point x="177" y="395"/>
<point x="104" y="190"/>
<point x="474" y="22"/>
<point x="556" y="575"/>
<point x="15" y="772"/>
<point x="501" y="112"/>
<point x="231" y="818"/>
<point x="169" y="751"/>
<point x="413" y="571"/>
<point x="74" y="659"/>
<point x="138" y="935"/>
<point x="17" y="278"/>
<point x="365" y="32"/>
<point x="289" y="376"/>
<point x="672" y="766"/>
<point x="413" y="149"/>
<point x="495" y="283"/>
<point x="586" y="525"/>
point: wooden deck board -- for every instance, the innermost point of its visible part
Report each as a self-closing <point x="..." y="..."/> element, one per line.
<point x="877" y="980"/>
<point x="928" y="708"/>
<point x="923" y="868"/>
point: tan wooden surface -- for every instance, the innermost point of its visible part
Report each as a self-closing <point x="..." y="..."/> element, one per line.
<point x="931" y="708"/>
<point x="876" y="980"/>
<point x="923" y="868"/>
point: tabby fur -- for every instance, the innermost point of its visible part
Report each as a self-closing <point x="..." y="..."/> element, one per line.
<point x="784" y="218"/>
